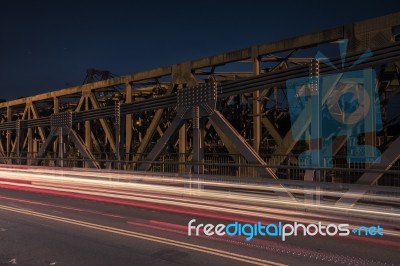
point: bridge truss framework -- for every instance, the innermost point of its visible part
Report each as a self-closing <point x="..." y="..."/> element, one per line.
<point x="223" y="115"/>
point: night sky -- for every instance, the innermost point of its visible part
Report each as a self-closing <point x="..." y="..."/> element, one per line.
<point x="48" y="45"/>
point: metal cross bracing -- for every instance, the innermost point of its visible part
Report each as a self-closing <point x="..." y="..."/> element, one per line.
<point x="145" y="121"/>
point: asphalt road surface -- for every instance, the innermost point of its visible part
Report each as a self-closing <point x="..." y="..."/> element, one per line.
<point x="44" y="229"/>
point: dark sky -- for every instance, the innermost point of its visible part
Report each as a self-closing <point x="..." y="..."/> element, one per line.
<point x="48" y="45"/>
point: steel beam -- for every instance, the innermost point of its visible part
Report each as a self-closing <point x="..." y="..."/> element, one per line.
<point x="86" y="153"/>
<point x="9" y="132"/>
<point x="227" y="143"/>
<point x="35" y="115"/>
<point x="45" y="146"/>
<point x="363" y="31"/>
<point x="256" y="110"/>
<point x="182" y="145"/>
<point x="198" y="141"/>
<point x="245" y="149"/>
<point x="385" y="162"/>
<point x="61" y="125"/>
<point x="103" y="123"/>
<point x="117" y="126"/>
<point x="381" y="56"/>
<point x="88" y="130"/>
<point x="161" y="143"/>
<point x="128" y="122"/>
<point x="303" y="122"/>
<point x="30" y="140"/>
<point x="82" y="101"/>
<point x="240" y="144"/>
<point x="56" y="110"/>
<point x="3" y="157"/>
<point x="151" y="130"/>
<point x="272" y="130"/>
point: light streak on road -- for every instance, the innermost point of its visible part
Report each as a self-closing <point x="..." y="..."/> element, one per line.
<point x="171" y="180"/>
<point x="179" y="193"/>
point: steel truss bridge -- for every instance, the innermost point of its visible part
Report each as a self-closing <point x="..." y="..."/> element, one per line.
<point x="225" y="115"/>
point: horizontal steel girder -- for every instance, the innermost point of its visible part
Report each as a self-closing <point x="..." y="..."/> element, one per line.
<point x="382" y="55"/>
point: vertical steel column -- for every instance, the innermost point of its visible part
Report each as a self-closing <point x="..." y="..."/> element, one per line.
<point x="182" y="148"/>
<point x="88" y="132"/>
<point x="56" y="110"/>
<point x="256" y="110"/>
<point x="315" y="123"/>
<point x="128" y="123"/>
<point x="17" y="139"/>
<point x="198" y="149"/>
<point x="370" y="137"/>
<point x="56" y="103"/>
<point x="30" y="138"/>
<point x="384" y="98"/>
<point x="9" y="132"/>
<point x="117" y="125"/>
<point x="61" y="146"/>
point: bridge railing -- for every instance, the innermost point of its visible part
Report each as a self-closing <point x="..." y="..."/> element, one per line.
<point x="229" y="165"/>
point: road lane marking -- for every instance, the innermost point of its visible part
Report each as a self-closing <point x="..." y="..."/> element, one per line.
<point x="203" y="249"/>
